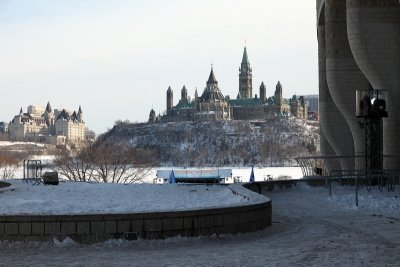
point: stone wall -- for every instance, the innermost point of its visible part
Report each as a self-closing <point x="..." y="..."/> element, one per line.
<point x="254" y="215"/>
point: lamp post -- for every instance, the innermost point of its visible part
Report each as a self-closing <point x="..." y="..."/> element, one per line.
<point x="372" y="107"/>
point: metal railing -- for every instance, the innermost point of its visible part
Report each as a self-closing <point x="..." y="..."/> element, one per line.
<point x="32" y="171"/>
<point x="351" y="170"/>
<point x="322" y="166"/>
<point x="368" y="178"/>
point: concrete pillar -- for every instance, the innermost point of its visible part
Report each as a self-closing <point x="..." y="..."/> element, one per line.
<point x="374" y="36"/>
<point x="343" y="75"/>
<point x="325" y="147"/>
<point x="333" y="125"/>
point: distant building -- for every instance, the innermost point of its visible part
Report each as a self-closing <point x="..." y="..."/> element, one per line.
<point x="213" y="105"/>
<point x="313" y="107"/>
<point x="3" y="127"/>
<point x="89" y="134"/>
<point x="36" y="111"/>
<point x="312" y="102"/>
<point x="58" y="126"/>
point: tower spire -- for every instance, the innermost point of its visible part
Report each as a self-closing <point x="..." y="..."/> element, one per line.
<point x="245" y="58"/>
<point x="245" y="77"/>
<point x="211" y="78"/>
<point x="48" y="107"/>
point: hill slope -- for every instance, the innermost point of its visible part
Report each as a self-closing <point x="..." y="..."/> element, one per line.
<point x="195" y="144"/>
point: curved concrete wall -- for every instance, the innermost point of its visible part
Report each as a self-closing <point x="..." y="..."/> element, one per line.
<point x="325" y="148"/>
<point x="320" y="11"/>
<point x="343" y="75"/>
<point x="333" y="124"/>
<point x="255" y="215"/>
<point x="374" y="36"/>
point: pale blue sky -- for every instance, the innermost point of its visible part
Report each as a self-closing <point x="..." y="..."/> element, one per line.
<point x="117" y="58"/>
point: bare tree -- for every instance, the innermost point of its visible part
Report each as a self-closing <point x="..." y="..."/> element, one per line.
<point x="108" y="161"/>
<point x="117" y="162"/>
<point x="8" y="166"/>
<point x="74" y="164"/>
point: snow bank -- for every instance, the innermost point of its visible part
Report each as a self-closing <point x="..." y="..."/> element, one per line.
<point x="89" y="198"/>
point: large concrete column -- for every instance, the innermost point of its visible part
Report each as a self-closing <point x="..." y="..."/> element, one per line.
<point x="343" y="75"/>
<point x="334" y="128"/>
<point x="374" y="36"/>
<point x="325" y="148"/>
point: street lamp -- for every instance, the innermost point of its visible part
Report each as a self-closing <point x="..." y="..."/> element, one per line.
<point x="371" y="106"/>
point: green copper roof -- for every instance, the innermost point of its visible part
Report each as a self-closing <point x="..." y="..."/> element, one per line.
<point x="183" y="105"/>
<point x="271" y="100"/>
<point x="246" y="102"/>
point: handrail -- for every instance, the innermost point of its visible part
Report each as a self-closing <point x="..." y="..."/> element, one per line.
<point x="381" y="178"/>
<point x="312" y="166"/>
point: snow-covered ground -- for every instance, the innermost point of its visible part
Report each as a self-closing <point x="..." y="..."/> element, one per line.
<point x="309" y="229"/>
<point x="12" y="143"/>
<point x="88" y="198"/>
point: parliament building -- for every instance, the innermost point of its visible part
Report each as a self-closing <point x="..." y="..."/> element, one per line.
<point x="212" y="105"/>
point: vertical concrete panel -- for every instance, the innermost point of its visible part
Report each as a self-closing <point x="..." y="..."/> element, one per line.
<point x="326" y="148"/>
<point x="333" y="124"/>
<point x="374" y="37"/>
<point x="343" y="75"/>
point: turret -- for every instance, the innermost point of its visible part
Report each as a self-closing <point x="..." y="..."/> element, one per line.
<point x="48" y="115"/>
<point x="170" y="100"/>
<point x="212" y="81"/>
<point x="48" y="108"/>
<point x="152" y="116"/>
<point x="263" y="92"/>
<point x="184" y="95"/>
<point x="278" y="93"/>
<point x="80" y="115"/>
<point x="74" y="116"/>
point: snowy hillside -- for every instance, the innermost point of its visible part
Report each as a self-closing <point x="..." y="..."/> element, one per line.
<point x="236" y="143"/>
<point x="24" y="148"/>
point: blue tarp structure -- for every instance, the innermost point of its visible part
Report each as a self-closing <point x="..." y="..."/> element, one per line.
<point x="252" y="178"/>
<point x="172" y="178"/>
<point x="196" y="175"/>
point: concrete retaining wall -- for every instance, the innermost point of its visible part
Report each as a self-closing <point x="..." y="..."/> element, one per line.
<point x="254" y="215"/>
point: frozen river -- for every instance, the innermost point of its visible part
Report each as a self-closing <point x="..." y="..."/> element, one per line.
<point x="309" y="228"/>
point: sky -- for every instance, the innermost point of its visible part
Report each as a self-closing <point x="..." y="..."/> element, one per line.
<point x="116" y="59"/>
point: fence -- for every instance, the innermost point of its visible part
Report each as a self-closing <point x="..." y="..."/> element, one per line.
<point x="351" y="170"/>
<point x="369" y="178"/>
<point x="32" y="171"/>
<point x="322" y="166"/>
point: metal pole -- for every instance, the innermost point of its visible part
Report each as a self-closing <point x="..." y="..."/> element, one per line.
<point x="356" y="190"/>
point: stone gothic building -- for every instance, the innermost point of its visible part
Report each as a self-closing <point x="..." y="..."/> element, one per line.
<point x="213" y="105"/>
<point x="48" y="125"/>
